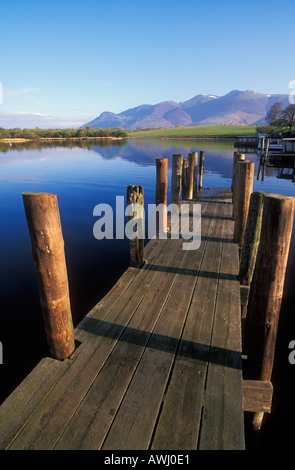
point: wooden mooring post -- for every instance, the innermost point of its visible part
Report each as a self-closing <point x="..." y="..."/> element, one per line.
<point x="193" y="165"/>
<point x="201" y="169"/>
<point x="177" y="163"/>
<point x="190" y="175"/>
<point x="161" y="192"/>
<point x="238" y="157"/>
<point x="266" y="150"/>
<point x="135" y="224"/>
<point x="267" y="287"/>
<point x="195" y="174"/>
<point x="251" y="238"/>
<point x="243" y="190"/>
<point x="45" y="230"/>
<point x="249" y="252"/>
<point x="185" y="178"/>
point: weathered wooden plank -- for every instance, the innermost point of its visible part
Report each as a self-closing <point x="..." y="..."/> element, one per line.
<point x="128" y="353"/>
<point x="257" y="396"/>
<point x="141" y="369"/>
<point x="49" y="421"/>
<point x="19" y="406"/>
<point x="135" y="421"/>
<point x="222" y="421"/>
<point x="135" y="339"/>
<point x="84" y="329"/>
<point x="184" y="395"/>
<point x="220" y="195"/>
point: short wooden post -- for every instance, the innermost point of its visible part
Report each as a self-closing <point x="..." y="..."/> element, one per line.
<point x="191" y="159"/>
<point x="266" y="150"/>
<point x="135" y="201"/>
<point x="245" y="175"/>
<point x="267" y="285"/>
<point x="236" y="189"/>
<point x="237" y="156"/>
<point x="262" y="145"/>
<point x="177" y="162"/>
<point x="263" y="171"/>
<point x="161" y="192"/>
<point x="194" y="160"/>
<point x="201" y="169"/>
<point x="185" y="176"/>
<point x="251" y="238"/>
<point x="259" y="168"/>
<point x="45" y="230"/>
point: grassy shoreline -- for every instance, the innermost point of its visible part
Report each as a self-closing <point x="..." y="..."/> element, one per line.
<point x="194" y="132"/>
<point x="229" y="133"/>
<point x="50" y="139"/>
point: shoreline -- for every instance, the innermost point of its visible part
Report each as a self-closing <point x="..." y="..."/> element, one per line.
<point x="230" y="139"/>
<point x="76" y="139"/>
<point x="46" y="139"/>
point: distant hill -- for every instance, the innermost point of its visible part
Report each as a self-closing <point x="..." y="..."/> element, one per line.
<point x="234" y="108"/>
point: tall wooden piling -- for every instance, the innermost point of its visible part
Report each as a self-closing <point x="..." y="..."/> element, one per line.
<point x="185" y="177"/>
<point x="262" y="145"/>
<point x="266" y="150"/>
<point x="195" y="174"/>
<point x="259" y="168"/>
<point x="161" y="192"/>
<point x="192" y="165"/>
<point x="237" y="157"/>
<point x="135" y="203"/>
<point x="251" y="238"/>
<point x="236" y="186"/>
<point x="177" y="162"/>
<point x="267" y="285"/>
<point x="244" y="188"/>
<point x="45" y="230"/>
<point x="201" y="169"/>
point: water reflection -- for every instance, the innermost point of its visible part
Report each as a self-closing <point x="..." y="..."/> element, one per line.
<point x="83" y="174"/>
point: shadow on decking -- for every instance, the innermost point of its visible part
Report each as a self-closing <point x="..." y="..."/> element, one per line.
<point x="219" y="217"/>
<point x="183" y="348"/>
<point x="191" y="272"/>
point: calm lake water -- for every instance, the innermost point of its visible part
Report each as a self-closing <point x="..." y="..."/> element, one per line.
<point x="83" y="176"/>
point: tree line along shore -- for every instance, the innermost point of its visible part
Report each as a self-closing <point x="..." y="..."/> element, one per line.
<point x="197" y="132"/>
<point x="20" y="135"/>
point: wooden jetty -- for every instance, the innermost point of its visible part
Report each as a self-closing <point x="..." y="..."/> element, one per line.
<point x="247" y="141"/>
<point x="283" y="156"/>
<point x="157" y="363"/>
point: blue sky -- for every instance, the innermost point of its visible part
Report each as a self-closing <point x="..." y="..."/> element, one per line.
<point x="68" y="61"/>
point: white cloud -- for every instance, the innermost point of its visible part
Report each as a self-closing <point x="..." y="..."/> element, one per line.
<point x="19" y="91"/>
<point x="32" y="120"/>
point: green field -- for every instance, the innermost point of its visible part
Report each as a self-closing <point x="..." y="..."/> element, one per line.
<point x="195" y="132"/>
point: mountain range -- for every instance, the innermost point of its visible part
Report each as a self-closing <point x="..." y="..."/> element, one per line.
<point x="234" y="108"/>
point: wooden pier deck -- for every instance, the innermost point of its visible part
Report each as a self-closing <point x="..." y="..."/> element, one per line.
<point x="158" y="363"/>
